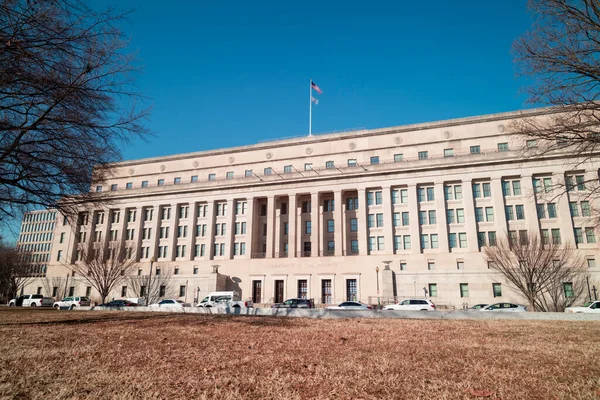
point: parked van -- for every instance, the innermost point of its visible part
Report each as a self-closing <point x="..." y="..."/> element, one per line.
<point x="224" y="299"/>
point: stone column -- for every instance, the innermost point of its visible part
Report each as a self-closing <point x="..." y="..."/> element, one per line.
<point x="388" y="233"/>
<point x="530" y="206"/>
<point x="440" y="211"/>
<point x="387" y="283"/>
<point x="315" y="222"/>
<point x="363" y="247"/>
<point x="292" y="218"/>
<point x="500" y="223"/>
<point x="191" y="241"/>
<point x="250" y="227"/>
<point x="270" y="226"/>
<point x="229" y="233"/>
<point x="564" y="213"/>
<point x="210" y="228"/>
<point x="413" y="214"/>
<point x="470" y="222"/>
<point x="156" y="229"/>
<point x="338" y="218"/>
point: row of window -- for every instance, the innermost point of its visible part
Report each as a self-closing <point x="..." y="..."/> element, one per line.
<point x="35" y="237"/>
<point x="463" y="289"/>
<point x="35" y="217"/>
<point x="46" y="226"/>
<point x="35" y="247"/>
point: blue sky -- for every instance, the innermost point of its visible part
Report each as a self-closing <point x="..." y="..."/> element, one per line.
<point x="221" y="74"/>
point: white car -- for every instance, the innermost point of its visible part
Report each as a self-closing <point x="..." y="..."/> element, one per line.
<point x="504" y="307"/>
<point x="31" y="300"/>
<point x="350" y="305"/>
<point x="591" y="307"/>
<point x="72" y="302"/>
<point x="412" y="305"/>
<point x="170" y="303"/>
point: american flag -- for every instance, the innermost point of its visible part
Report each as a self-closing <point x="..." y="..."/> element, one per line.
<point x="314" y="86"/>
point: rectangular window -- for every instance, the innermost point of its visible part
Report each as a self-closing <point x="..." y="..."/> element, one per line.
<point x="194" y="178"/>
<point x="423" y="155"/>
<point x="478" y="214"/>
<point x="397" y="243"/>
<point x="374" y="160"/>
<point x="475" y="149"/>
<point x="371" y="220"/>
<point x="430" y="194"/>
<point x="329" y="165"/>
<point x="492" y="238"/>
<point x="354" y="247"/>
<point x="434" y="240"/>
<point x="98" y="188"/>
<point x="556" y="236"/>
<point x="503" y="146"/>
<point x="268" y="171"/>
<point x="248" y="173"/>
<point x="590" y="235"/>
<point x="460" y="265"/>
<point x="505" y="188"/>
<point x="113" y="187"/>
<point x="591" y="263"/>
<point x="307" y="227"/>
<point x="462" y="240"/>
<point x="129" y="185"/>
<point x="430" y="265"/>
<point x="405" y="219"/>
<point x="464" y="290"/>
<point x="481" y="239"/>
<point x="406" y="242"/>
<point x="229" y="175"/>
<point x="422" y="217"/>
<point x="476" y="190"/>
<point x="551" y="210"/>
<point x="212" y="177"/>
<point x="547" y="185"/>
<point x="353" y="224"/>
<point x="433" y="290"/>
<point x="509" y="211"/>
<point x="177" y="181"/>
<point x="497" y="289"/>
<point x="585" y="209"/>
<point x="452" y="240"/>
<point x="580" y="182"/>
<point x="432" y="217"/>
<point x="378" y="198"/>
<point x="379" y="220"/>
<point x="330" y="226"/>
<point x="460" y="215"/>
<point x="516" y="185"/>
<point x="398" y="157"/>
<point x="287" y="169"/>
<point x="402" y="266"/>
<point x="371" y="243"/>
<point x="520" y="211"/>
<point x="404" y="196"/>
<point x="487" y="190"/>
<point x="448" y="152"/>
<point x="489" y="214"/>
<point x="541" y="211"/>
<point x="308" y="167"/>
<point x="396" y="219"/>
<point x="424" y="241"/>
<point x="448" y="192"/>
<point x="352" y="162"/>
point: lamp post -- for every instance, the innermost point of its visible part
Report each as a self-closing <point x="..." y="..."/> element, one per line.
<point x="377" y="274"/>
<point x="149" y="283"/>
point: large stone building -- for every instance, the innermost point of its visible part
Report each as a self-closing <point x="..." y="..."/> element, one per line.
<point x="384" y="213"/>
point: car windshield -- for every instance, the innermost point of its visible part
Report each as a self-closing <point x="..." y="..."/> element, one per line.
<point x="587" y="303"/>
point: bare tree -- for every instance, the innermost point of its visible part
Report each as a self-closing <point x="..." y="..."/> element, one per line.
<point x="66" y="102"/>
<point x="560" y="56"/>
<point x="152" y="288"/>
<point x="550" y="276"/>
<point x="49" y="283"/>
<point x="104" y="269"/>
<point x="15" y="271"/>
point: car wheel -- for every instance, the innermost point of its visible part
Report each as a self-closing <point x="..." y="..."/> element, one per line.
<point x="72" y="307"/>
<point x="57" y="307"/>
<point x="11" y="305"/>
<point x="33" y="304"/>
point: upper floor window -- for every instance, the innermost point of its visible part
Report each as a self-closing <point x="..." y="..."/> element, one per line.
<point x="248" y="173"/>
<point x="194" y="178"/>
<point x="177" y="181"/>
<point x="503" y="146"/>
<point x="308" y="166"/>
<point x="425" y="194"/>
<point x="453" y="192"/>
<point x="374" y="160"/>
<point x="113" y="187"/>
<point x="212" y="177"/>
<point x="98" y="188"/>
<point x="448" y="152"/>
<point x="329" y="165"/>
<point x="229" y="175"/>
<point x="423" y="155"/>
<point x="398" y="157"/>
<point x="352" y="162"/>
<point x="268" y="171"/>
<point x="129" y="185"/>
<point x="161" y="182"/>
<point x="576" y="182"/>
<point x="287" y="169"/>
<point x="475" y="149"/>
<point x="531" y="143"/>
<point x="144" y="184"/>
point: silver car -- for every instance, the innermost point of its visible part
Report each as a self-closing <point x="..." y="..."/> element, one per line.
<point x="505" y="307"/>
<point x="350" y="305"/>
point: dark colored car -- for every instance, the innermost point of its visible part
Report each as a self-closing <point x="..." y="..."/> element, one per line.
<point x="120" y="303"/>
<point x="295" y="303"/>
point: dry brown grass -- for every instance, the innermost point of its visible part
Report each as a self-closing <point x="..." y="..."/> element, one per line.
<point x="47" y="354"/>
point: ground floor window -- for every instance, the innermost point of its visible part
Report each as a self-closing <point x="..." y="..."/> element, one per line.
<point x="71" y="291"/>
<point x="257" y="291"/>
<point x="464" y="290"/>
<point x="326" y="292"/>
<point x="302" y="289"/>
<point x="351" y="290"/>
<point x="433" y="290"/>
<point x="279" y="291"/>
<point x="497" y="287"/>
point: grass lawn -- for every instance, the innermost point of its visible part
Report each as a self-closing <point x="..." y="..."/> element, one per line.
<point x="48" y="354"/>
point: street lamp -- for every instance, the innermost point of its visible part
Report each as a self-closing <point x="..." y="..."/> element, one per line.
<point x="149" y="283"/>
<point x="377" y="272"/>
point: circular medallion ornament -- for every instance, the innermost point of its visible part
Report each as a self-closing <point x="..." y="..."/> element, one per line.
<point x="162" y="168"/>
<point x="447" y="134"/>
<point x="309" y="150"/>
<point x="398" y="140"/>
<point x="501" y="128"/>
<point x="269" y="155"/>
<point x="131" y="171"/>
<point x="231" y="160"/>
<point x="195" y="164"/>
<point x="352" y="145"/>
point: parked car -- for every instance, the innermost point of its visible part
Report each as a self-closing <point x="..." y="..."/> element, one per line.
<point x="72" y="302"/>
<point x="590" y="307"/>
<point x="477" y="307"/>
<point x="31" y="300"/>
<point x="225" y="299"/>
<point x="170" y="303"/>
<point x="120" y="303"/>
<point x="412" y="305"/>
<point x="351" y="305"/>
<point x="505" y="307"/>
<point x="294" y="303"/>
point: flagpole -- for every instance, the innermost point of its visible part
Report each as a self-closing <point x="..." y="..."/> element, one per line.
<point x="310" y="108"/>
